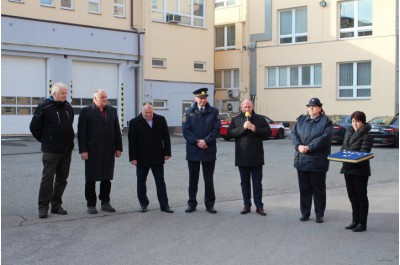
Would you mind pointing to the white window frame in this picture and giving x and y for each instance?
(232, 78)
(355, 87)
(98, 2)
(163, 60)
(293, 33)
(203, 68)
(163, 101)
(47, 5)
(225, 3)
(191, 19)
(226, 47)
(356, 29)
(68, 8)
(116, 5)
(288, 70)
(16, 1)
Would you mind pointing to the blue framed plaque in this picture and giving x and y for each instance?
(350, 156)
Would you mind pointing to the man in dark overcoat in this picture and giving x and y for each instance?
(100, 141)
(200, 126)
(149, 147)
(249, 130)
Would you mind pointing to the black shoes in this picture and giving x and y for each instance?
(91, 210)
(304, 218)
(319, 219)
(107, 207)
(166, 209)
(261, 211)
(360, 228)
(246, 209)
(211, 210)
(43, 213)
(143, 209)
(190, 209)
(59, 211)
(352, 225)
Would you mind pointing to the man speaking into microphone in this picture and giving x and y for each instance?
(250, 130)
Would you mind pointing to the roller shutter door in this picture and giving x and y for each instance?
(88, 77)
(23, 84)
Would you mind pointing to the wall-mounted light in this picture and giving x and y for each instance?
(323, 3)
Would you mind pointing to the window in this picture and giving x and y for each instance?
(67, 4)
(160, 104)
(355, 19)
(158, 63)
(294, 76)
(228, 79)
(17, 1)
(293, 26)
(186, 105)
(18, 105)
(94, 6)
(225, 37)
(199, 66)
(191, 12)
(119, 8)
(221, 3)
(47, 2)
(355, 80)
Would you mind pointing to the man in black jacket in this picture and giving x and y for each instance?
(52, 126)
(249, 130)
(149, 147)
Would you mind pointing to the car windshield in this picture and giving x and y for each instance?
(395, 121)
(385, 120)
(336, 118)
(224, 116)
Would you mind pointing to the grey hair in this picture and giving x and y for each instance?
(56, 88)
(241, 103)
(97, 92)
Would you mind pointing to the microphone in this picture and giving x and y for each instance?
(247, 114)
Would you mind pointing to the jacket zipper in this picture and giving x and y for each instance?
(58, 115)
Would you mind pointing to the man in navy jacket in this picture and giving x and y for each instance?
(200, 127)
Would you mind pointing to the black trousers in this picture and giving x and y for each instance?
(357, 192)
(158, 173)
(208, 174)
(54, 179)
(312, 184)
(254, 175)
(90, 192)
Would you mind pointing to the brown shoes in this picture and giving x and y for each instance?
(261, 211)
(246, 209)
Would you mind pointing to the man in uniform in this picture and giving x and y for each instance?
(200, 127)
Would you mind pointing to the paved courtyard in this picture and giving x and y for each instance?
(130, 237)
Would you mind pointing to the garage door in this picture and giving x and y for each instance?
(23, 84)
(88, 77)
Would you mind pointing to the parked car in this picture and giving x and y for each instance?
(395, 126)
(340, 125)
(225, 118)
(384, 130)
(277, 128)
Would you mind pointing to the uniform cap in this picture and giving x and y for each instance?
(201, 92)
(314, 102)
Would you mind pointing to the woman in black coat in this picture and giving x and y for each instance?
(357, 138)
